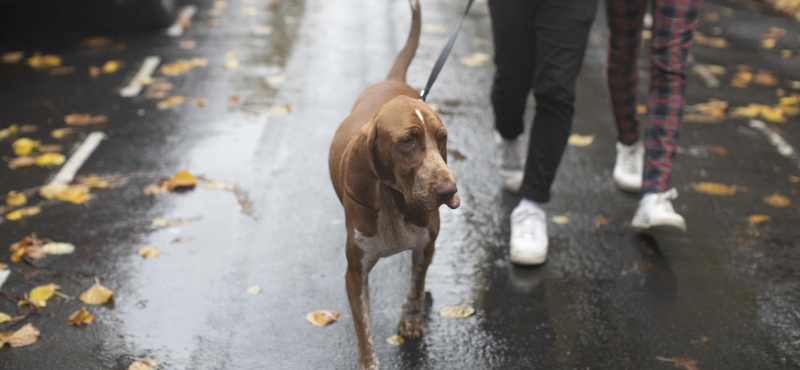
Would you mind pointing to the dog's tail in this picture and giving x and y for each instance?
(400, 66)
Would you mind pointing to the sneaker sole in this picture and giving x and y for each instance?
(528, 261)
(662, 228)
(627, 188)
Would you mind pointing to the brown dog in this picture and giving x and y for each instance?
(388, 167)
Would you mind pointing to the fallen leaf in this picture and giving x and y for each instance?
(4, 317)
(39, 61)
(561, 220)
(187, 44)
(213, 22)
(476, 59)
(50, 159)
(785, 53)
(716, 69)
(58, 248)
(253, 289)
(742, 79)
(23, 212)
(219, 185)
(52, 191)
(275, 80)
(231, 64)
(160, 188)
(601, 221)
(794, 179)
(273, 5)
(756, 218)
(719, 150)
(12, 57)
(97, 42)
(580, 140)
(149, 252)
(94, 71)
(144, 365)
(701, 342)
(182, 66)
(111, 66)
(24, 146)
(395, 340)
(777, 201)
(75, 194)
(199, 102)
(322, 317)
(80, 317)
(714, 42)
(26, 335)
(455, 312)
(51, 148)
(681, 362)
(244, 201)
(42, 293)
(713, 188)
(97, 294)
(61, 133)
(162, 222)
(98, 120)
(14, 199)
(182, 180)
(77, 119)
(768, 43)
(21, 162)
(279, 110)
(765, 78)
(170, 102)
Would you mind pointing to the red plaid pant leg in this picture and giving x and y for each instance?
(674, 22)
(625, 23)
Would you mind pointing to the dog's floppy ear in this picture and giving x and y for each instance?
(362, 183)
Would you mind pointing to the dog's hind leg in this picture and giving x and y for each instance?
(412, 318)
(357, 282)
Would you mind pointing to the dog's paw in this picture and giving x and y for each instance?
(410, 326)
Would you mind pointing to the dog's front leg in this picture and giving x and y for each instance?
(357, 282)
(412, 318)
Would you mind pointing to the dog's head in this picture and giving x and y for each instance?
(408, 145)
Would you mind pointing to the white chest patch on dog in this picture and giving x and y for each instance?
(419, 114)
(394, 234)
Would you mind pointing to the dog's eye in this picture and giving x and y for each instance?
(409, 141)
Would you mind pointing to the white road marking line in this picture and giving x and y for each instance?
(145, 72)
(777, 141)
(68, 171)
(184, 17)
(3, 276)
(709, 79)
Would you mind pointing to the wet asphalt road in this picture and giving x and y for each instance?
(606, 299)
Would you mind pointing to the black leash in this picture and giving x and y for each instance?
(443, 56)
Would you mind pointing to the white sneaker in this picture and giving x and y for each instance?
(528, 234)
(509, 162)
(656, 212)
(628, 167)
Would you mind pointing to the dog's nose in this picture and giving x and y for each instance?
(446, 190)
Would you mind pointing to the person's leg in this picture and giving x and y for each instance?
(562, 31)
(674, 22)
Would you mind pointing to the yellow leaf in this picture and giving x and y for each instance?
(76, 194)
(112, 66)
(80, 317)
(560, 220)
(52, 191)
(58, 248)
(24, 146)
(14, 199)
(42, 293)
(322, 318)
(182, 66)
(253, 289)
(456, 312)
(476, 59)
(4, 317)
(395, 340)
(61, 133)
(97, 294)
(169, 102)
(777, 201)
(580, 140)
(749, 111)
(24, 212)
(713, 188)
(50, 159)
(144, 365)
(149, 252)
(773, 114)
(26, 335)
(39, 61)
(768, 43)
(182, 179)
(17, 255)
(754, 219)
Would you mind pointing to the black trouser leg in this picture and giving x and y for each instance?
(513, 25)
(562, 29)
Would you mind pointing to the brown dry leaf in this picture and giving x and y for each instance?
(580, 140)
(24, 212)
(12, 57)
(170, 102)
(199, 102)
(187, 44)
(244, 200)
(80, 317)
(98, 120)
(144, 365)
(24, 336)
(777, 201)
(714, 188)
(97, 294)
(61, 133)
(21, 162)
(794, 179)
(476, 59)
(395, 340)
(14, 199)
(42, 293)
(50, 159)
(720, 150)
(742, 79)
(77, 119)
(75, 194)
(273, 5)
(94, 71)
(684, 363)
(51, 148)
(149, 252)
(24, 146)
(322, 317)
(182, 180)
(455, 312)
(765, 78)
(601, 221)
(233, 100)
